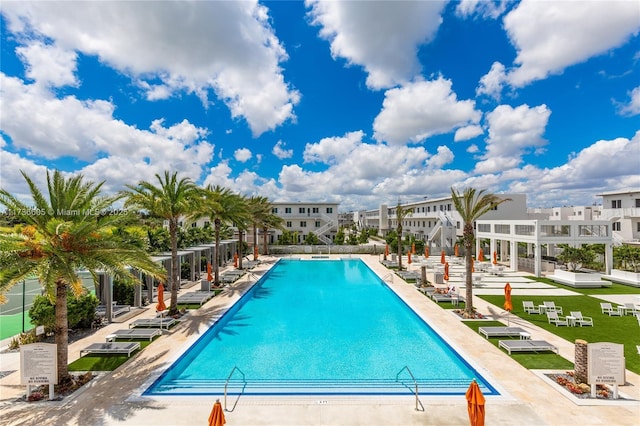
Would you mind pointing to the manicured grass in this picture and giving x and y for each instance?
(105, 362)
(12, 325)
(624, 330)
(531, 360)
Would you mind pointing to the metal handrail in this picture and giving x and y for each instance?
(415, 382)
(233, 370)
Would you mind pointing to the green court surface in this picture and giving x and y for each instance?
(10, 325)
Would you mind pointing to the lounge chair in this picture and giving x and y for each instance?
(551, 307)
(581, 320)
(553, 318)
(134, 333)
(638, 317)
(195, 298)
(153, 322)
(530, 308)
(111, 348)
(501, 331)
(439, 297)
(630, 308)
(527, 346)
(608, 309)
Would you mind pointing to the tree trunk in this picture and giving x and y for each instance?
(399, 248)
(61, 332)
(240, 239)
(216, 257)
(468, 304)
(265, 246)
(175, 269)
(255, 242)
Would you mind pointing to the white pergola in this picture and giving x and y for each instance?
(504, 236)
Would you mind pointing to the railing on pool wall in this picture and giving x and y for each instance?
(415, 383)
(244, 383)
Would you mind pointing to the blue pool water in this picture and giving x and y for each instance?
(325, 327)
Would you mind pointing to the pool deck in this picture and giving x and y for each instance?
(527, 399)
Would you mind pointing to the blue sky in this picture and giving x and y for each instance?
(360, 103)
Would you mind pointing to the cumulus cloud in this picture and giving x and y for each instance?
(633, 106)
(172, 47)
(418, 110)
(49, 64)
(468, 132)
(242, 155)
(512, 133)
(280, 151)
(332, 150)
(382, 37)
(551, 36)
(484, 8)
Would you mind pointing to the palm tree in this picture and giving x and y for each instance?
(171, 199)
(221, 206)
(272, 221)
(471, 205)
(259, 210)
(69, 231)
(401, 213)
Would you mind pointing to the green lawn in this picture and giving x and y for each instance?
(105, 362)
(11, 325)
(624, 330)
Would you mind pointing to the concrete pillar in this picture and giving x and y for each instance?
(537, 259)
(581, 361)
(608, 258)
(106, 283)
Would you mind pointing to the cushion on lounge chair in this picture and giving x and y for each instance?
(111, 348)
(526, 346)
(501, 331)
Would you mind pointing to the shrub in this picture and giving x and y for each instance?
(80, 312)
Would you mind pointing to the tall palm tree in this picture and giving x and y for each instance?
(471, 205)
(69, 231)
(242, 223)
(272, 221)
(171, 199)
(221, 206)
(259, 209)
(401, 213)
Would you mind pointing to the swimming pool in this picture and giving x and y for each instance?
(319, 327)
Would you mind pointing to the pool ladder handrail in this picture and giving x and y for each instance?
(415, 382)
(226, 383)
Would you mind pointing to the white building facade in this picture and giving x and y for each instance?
(622, 209)
(303, 218)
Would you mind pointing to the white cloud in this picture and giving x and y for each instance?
(185, 46)
(551, 36)
(467, 132)
(633, 107)
(416, 111)
(280, 151)
(443, 157)
(512, 133)
(383, 37)
(485, 8)
(242, 155)
(49, 64)
(492, 82)
(332, 150)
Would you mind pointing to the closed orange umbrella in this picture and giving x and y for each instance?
(442, 257)
(216, 418)
(386, 250)
(160, 306)
(235, 260)
(413, 248)
(456, 250)
(446, 271)
(426, 252)
(508, 306)
(473, 264)
(255, 252)
(209, 276)
(475, 404)
(481, 256)
(495, 258)
(409, 258)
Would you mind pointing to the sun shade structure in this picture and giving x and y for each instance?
(216, 418)
(161, 305)
(475, 404)
(508, 306)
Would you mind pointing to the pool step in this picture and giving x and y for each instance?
(314, 387)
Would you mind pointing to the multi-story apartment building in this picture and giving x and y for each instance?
(622, 208)
(303, 218)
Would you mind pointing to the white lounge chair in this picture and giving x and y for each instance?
(551, 307)
(502, 331)
(526, 346)
(608, 309)
(530, 308)
(630, 308)
(553, 318)
(581, 320)
(153, 322)
(638, 317)
(111, 348)
(135, 333)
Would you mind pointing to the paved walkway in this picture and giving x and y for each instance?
(114, 398)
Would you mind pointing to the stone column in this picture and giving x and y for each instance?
(581, 362)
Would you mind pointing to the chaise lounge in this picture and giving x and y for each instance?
(111, 348)
(134, 333)
(502, 331)
(153, 322)
(527, 346)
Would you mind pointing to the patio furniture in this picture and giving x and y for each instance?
(553, 318)
(551, 307)
(111, 348)
(526, 346)
(608, 309)
(529, 307)
(134, 333)
(581, 320)
(153, 322)
(501, 331)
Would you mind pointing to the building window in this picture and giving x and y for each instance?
(638, 227)
(301, 210)
(317, 224)
(329, 209)
(637, 202)
(316, 210)
(616, 226)
(287, 209)
(616, 204)
(289, 224)
(448, 207)
(274, 210)
(428, 209)
(303, 224)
